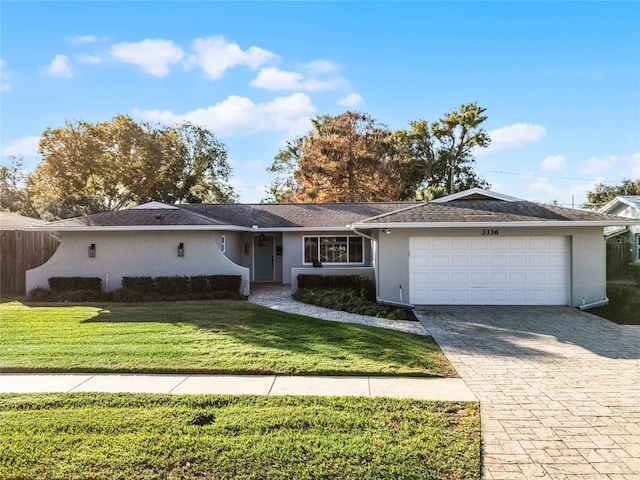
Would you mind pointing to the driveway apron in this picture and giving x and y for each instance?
(559, 389)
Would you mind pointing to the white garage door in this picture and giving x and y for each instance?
(489, 270)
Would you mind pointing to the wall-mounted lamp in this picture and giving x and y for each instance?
(181, 249)
(92, 250)
(386, 231)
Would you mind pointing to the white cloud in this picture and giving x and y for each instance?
(542, 184)
(215, 56)
(553, 162)
(350, 100)
(513, 136)
(5, 84)
(240, 116)
(153, 55)
(616, 166)
(80, 39)
(21, 147)
(92, 59)
(59, 67)
(319, 67)
(596, 165)
(635, 165)
(274, 79)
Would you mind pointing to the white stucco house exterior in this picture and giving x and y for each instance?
(476, 247)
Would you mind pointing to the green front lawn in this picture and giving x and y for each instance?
(116, 436)
(203, 337)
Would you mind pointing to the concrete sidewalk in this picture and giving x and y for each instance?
(445, 389)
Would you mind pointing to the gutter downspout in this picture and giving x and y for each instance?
(599, 303)
(377, 272)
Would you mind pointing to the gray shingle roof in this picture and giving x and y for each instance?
(464, 211)
(138, 217)
(292, 215)
(11, 221)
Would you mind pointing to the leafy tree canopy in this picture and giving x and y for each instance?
(352, 157)
(603, 194)
(96, 167)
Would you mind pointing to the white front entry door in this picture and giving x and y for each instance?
(489, 270)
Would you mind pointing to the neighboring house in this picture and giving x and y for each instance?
(623, 242)
(473, 247)
(20, 251)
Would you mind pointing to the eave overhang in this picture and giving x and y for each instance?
(484, 223)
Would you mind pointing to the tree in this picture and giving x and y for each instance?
(603, 194)
(96, 167)
(344, 158)
(16, 190)
(443, 151)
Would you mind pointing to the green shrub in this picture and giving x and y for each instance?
(634, 270)
(624, 304)
(165, 287)
(360, 283)
(351, 300)
(40, 294)
(69, 284)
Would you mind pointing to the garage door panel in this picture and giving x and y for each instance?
(507, 270)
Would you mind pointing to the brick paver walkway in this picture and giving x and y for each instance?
(559, 389)
(278, 297)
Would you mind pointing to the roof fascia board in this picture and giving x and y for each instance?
(134, 228)
(483, 224)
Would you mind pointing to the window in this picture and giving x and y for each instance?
(333, 249)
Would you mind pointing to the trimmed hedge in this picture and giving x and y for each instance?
(348, 293)
(72, 284)
(361, 283)
(142, 289)
(197, 285)
(634, 270)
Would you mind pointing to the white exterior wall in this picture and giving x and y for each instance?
(131, 254)
(292, 252)
(587, 262)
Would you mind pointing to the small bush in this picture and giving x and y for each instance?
(634, 270)
(40, 294)
(138, 284)
(351, 300)
(360, 283)
(70, 284)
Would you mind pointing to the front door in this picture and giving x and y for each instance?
(263, 258)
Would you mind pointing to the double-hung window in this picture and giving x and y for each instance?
(333, 250)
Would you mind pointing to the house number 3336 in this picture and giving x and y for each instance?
(490, 231)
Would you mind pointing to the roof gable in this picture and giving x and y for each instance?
(618, 203)
(476, 193)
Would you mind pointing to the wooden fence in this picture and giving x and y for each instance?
(20, 251)
(619, 256)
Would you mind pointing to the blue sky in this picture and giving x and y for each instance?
(560, 81)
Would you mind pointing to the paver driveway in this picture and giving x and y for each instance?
(559, 389)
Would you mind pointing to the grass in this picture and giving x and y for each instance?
(204, 337)
(114, 436)
(624, 304)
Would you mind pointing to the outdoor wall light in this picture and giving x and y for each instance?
(386, 231)
(92, 250)
(181, 249)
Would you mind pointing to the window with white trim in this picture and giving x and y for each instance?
(333, 250)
